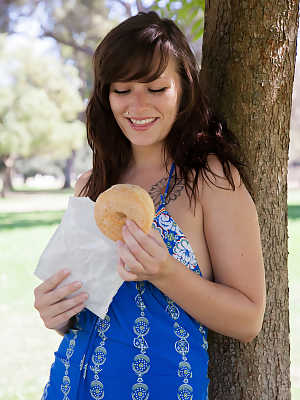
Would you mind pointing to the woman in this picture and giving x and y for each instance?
(148, 124)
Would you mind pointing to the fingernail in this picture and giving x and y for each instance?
(66, 271)
(78, 284)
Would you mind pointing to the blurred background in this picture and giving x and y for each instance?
(45, 80)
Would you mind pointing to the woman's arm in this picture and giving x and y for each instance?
(234, 304)
(81, 182)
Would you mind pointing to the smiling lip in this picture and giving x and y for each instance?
(141, 127)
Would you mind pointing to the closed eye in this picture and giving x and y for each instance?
(150, 90)
(121, 91)
(158, 90)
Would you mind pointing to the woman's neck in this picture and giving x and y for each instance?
(147, 158)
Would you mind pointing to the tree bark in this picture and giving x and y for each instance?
(248, 61)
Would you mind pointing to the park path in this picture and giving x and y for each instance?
(34, 201)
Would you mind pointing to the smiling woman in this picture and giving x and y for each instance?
(149, 124)
(149, 107)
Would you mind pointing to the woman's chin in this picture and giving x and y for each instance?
(142, 141)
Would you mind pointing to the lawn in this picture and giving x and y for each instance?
(294, 288)
(27, 346)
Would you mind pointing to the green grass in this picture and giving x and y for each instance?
(294, 289)
(27, 346)
(26, 235)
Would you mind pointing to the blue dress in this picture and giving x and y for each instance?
(146, 347)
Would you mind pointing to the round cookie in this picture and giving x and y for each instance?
(120, 202)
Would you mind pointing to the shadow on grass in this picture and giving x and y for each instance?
(15, 220)
(294, 211)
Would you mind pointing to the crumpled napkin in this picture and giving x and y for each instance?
(79, 245)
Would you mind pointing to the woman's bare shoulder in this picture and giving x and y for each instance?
(81, 182)
(214, 179)
(217, 175)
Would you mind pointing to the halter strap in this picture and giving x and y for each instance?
(163, 197)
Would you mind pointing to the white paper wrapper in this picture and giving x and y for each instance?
(79, 245)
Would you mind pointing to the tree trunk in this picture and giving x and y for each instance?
(4, 16)
(248, 61)
(8, 162)
(68, 169)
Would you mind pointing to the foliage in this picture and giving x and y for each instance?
(38, 165)
(45, 165)
(76, 27)
(188, 14)
(39, 102)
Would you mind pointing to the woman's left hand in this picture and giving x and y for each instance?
(141, 256)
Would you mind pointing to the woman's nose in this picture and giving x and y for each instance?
(140, 100)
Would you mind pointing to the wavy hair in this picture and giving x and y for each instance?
(129, 52)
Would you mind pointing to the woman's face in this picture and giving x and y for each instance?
(146, 112)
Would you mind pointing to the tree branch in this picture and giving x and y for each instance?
(71, 43)
(140, 6)
(32, 11)
(126, 6)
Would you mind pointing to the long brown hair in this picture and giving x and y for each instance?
(127, 54)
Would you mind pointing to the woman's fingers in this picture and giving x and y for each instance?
(51, 302)
(148, 253)
(65, 305)
(124, 273)
(52, 282)
(147, 243)
(156, 236)
(61, 320)
(128, 258)
(60, 293)
(45, 296)
(63, 310)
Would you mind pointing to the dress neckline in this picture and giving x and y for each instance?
(162, 209)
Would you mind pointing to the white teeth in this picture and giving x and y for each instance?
(142, 121)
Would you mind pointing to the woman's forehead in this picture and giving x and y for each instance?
(159, 69)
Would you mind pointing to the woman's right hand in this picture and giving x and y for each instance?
(50, 301)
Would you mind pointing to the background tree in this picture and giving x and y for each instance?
(77, 26)
(39, 104)
(249, 51)
(188, 14)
